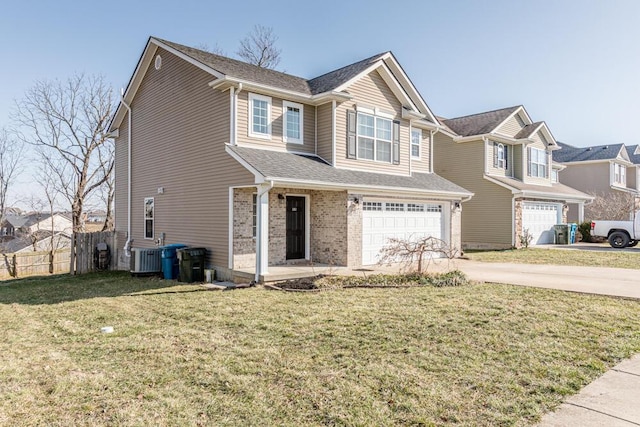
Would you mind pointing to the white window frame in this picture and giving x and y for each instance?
(253, 97)
(375, 137)
(145, 212)
(418, 144)
(555, 177)
(619, 174)
(532, 163)
(500, 156)
(285, 122)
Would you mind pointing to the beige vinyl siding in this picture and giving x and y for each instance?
(325, 131)
(517, 162)
(510, 128)
(180, 128)
(537, 180)
(277, 123)
(371, 91)
(486, 218)
(422, 164)
(590, 178)
(491, 169)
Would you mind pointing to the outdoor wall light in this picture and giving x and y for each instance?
(281, 196)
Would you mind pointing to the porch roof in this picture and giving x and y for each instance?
(555, 190)
(283, 167)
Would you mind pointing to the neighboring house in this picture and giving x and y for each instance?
(264, 168)
(504, 158)
(598, 170)
(26, 224)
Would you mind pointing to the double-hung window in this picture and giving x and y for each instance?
(293, 115)
(259, 116)
(416, 139)
(374, 137)
(538, 162)
(619, 174)
(148, 217)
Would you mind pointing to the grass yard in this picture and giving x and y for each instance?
(560, 257)
(470, 355)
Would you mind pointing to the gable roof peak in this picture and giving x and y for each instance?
(481, 123)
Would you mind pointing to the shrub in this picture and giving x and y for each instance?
(585, 229)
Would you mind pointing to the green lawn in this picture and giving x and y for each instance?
(585, 258)
(470, 355)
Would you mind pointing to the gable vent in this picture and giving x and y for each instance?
(605, 147)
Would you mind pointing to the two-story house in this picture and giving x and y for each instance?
(264, 168)
(504, 158)
(602, 171)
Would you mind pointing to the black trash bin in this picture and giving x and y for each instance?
(191, 262)
(562, 234)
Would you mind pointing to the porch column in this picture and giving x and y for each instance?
(262, 231)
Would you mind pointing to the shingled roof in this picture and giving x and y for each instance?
(246, 71)
(569, 153)
(556, 188)
(635, 158)
(527, 130)
(243, 70)
(481, 123)
(276, 165)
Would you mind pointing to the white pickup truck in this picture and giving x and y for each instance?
(620, 234)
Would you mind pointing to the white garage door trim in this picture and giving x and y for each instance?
(539, 218)
(400, 219)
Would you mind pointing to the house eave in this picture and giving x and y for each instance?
(540, 194)
(226, 82)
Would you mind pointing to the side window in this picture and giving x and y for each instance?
(259, 116)
(148, 217)
(293, 118)
(416, 139)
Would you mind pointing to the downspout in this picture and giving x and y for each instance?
(333, 133)
(431, 145)
(127, 245)
(262, 189)
(234, 117)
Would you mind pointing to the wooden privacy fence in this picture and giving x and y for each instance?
(25, 264)
(85, 258)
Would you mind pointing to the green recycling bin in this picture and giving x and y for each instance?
(191, 262)
(562, 234)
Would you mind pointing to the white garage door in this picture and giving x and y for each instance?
(539, 219)
(382, 220)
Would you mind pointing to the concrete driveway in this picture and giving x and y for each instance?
(618, 282)
(598, 247)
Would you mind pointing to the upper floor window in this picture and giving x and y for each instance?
(538, 162)
(293, 122)
(619, 174)
(374, 138)
(416, 139)
(554, 175)
(500, 156)
(259, 116)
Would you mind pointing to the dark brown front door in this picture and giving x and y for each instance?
(295, 227)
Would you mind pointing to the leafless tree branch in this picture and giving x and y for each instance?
(259, 48)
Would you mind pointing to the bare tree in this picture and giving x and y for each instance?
(414, 252)
(216, 49)
(617, 205)
(67, 123)
(11, 164)
(259, 48)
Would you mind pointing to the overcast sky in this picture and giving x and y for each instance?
(572, 63)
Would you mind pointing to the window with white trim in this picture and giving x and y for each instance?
(293, 115)
(259, 116)
(538, 162)
(416, 139)
(554, 175)
(374, 138)
(148, 217)
(395, 207)
(415, 207)
(501, 156)
(619, 174)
